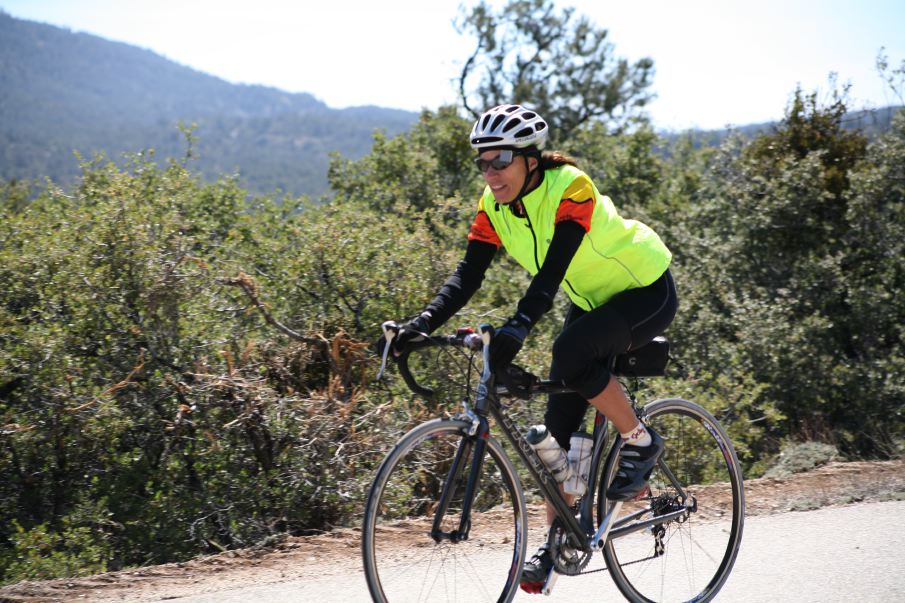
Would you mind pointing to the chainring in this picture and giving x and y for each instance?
(568, 558)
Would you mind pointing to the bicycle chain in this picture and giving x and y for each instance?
(659, 549)
(659, 533)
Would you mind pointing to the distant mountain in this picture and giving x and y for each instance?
(62, 91)
(871, 122)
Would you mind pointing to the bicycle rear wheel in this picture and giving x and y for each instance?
(403, 562)
(689, 557)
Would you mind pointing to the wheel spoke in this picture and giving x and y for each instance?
(698, 470)
(402, 561)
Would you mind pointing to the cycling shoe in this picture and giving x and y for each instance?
(635, 466)
(536, 570)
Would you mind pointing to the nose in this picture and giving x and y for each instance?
(491, 175)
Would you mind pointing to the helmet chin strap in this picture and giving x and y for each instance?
(512, 204)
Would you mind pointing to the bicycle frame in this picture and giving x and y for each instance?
(581, 529)
(544, 479)
(488, 403)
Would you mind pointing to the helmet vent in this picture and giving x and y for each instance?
(524, 132)
(485, 139)
(497, 121)
(512, 123)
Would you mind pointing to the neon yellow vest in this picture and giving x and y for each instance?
(615, 255)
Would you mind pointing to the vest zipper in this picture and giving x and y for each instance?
(533, 238)
(537, 263)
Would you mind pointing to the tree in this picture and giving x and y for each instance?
(413, 171)
(561, 65)
(795, 248)
(893, 76)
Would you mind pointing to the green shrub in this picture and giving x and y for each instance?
(797, 458)
(80, 545)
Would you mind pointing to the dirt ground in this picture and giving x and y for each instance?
(338, 552)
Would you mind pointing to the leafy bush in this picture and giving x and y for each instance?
(81, 544)
(132, 373)
(797, 458)
(788, 262)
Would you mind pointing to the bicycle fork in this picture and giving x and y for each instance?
(477, 447)
(480, 430)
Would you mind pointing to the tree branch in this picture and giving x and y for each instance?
(247, 284)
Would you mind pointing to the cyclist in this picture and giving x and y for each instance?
(550, 217)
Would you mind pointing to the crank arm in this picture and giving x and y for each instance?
(599, 539)
(550, 582)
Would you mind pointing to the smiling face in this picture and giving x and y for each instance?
(506, 183)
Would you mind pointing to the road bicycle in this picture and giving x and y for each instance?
(446, 517)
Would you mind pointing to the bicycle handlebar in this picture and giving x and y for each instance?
(466, 338)
(512, 381)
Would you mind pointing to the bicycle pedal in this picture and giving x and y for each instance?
(540, 588)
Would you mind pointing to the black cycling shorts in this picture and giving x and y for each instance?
(583, 351)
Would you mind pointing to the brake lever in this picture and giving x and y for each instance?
(486, 335)
(390, 328)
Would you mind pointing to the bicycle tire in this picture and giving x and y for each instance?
(696, 555)
(402, 561)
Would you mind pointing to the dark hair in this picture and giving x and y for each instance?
(554, 159)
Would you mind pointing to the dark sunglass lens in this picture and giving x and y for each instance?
(500, 162)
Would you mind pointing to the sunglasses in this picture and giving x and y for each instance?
(498, 163)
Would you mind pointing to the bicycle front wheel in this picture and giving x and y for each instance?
(403, 561)
(698, 492)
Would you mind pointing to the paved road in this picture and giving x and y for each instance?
(852, 553)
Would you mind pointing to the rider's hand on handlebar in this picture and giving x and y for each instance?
(508, 340)
(411, 331)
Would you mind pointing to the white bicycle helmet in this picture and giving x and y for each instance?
(509, 126)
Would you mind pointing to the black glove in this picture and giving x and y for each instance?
(508, 340)
(411, 331)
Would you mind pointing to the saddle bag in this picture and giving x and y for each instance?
(649, 360)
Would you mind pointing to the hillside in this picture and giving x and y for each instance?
(871, 122)
(62, 91)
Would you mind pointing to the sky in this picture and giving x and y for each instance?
(718, 63)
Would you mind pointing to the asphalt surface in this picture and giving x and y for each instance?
(851, 553)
